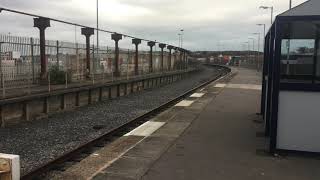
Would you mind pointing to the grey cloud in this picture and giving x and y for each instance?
(206, 22)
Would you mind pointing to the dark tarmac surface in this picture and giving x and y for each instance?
(214, 138)
(222, 144)
(41, 141)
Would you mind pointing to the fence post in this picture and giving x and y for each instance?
(93, 69)
(29, 82)
(3, 86)
(32, 59)
(66, 79)
(58, 64)
(77, 61)
(92, 77)
(49, 82)
(103, 73)
(112, 72)
(128, 64)
(1, 70)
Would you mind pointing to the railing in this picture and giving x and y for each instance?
(29, 64)
(20, 65)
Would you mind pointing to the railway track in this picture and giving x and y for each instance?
(85, 149)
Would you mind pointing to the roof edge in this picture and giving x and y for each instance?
(294, 8)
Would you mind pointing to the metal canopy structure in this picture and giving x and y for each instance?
(291, 80)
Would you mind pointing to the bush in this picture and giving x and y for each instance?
(57, 76)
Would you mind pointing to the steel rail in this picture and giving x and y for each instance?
(69, 155)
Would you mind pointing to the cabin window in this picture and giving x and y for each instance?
(300, 60)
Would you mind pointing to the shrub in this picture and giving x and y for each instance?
(57, 76)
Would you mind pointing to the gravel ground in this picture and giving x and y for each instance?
(41, 141)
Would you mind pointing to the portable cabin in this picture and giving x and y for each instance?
(291, 80)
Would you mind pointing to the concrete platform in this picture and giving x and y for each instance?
(214, 137)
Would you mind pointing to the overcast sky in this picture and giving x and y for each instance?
(208, 24)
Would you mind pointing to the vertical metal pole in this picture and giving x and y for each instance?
(182, 39)
(29, 82)
(77, 61)
(32, 59)
(66, 79)
(271, 15)
(2, 78)
(97, 29)
(258, 52)
(290, 4)
(128, 64)
(58, 64)
(161, 63)
(103, 67)
(92, 72)
(49, 82)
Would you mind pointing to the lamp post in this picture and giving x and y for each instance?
(264, 33)
(264, 29)
(248, 43)
(252, 45)
(98, 56)
(258, 52)
(290, 4)
(181, 37)
(271, 8)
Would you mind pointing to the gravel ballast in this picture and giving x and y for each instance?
(43, 140)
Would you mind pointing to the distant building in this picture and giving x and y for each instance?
(10, 56)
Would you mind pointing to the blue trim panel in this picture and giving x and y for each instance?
(275, 88)
(300, 87)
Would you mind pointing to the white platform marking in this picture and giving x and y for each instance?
(146, 129)
(197, 95)
(245, 86)
(220, 85)
(184, 103)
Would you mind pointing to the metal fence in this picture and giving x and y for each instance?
(20, 64)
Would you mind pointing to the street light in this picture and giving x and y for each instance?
(252, 46)
(290, 4)
(264, 29)
(264, 32)
(257, 59)
(98, 56)
(181, 30)
(179, 39)
(271, 8)
(258, 40)
(248, 50)
(252, 42)
(264, 35)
